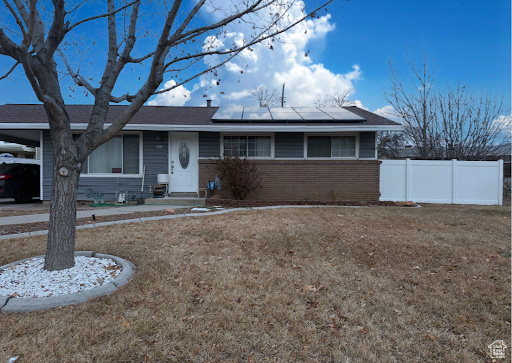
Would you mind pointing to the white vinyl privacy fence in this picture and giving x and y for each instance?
(442, 181)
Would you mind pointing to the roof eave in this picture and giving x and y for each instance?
(219, 128)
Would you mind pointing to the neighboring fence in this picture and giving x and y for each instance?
(442, 181)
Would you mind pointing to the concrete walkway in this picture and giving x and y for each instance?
(102, 211)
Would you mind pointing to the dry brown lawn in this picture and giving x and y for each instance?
(381, 284)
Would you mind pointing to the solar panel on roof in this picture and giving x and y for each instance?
(344, 116)
(228, 113)
(261, 113)
(255, 109)
(284, 114)
(282, 109)
(318, 115)
(333, 109)
(306, 109)
(292, 116)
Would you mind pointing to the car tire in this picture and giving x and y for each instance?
(24, 196)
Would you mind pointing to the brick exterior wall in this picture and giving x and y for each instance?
(327, 180)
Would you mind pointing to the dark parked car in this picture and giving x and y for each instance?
(19, 181)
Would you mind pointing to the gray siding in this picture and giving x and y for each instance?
(47, 159)
(289, 145)
(209, 144)
(367, 145)
(154, 157)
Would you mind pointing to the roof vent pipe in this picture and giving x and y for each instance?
(208, 103)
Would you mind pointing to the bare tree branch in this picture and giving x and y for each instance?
(264, 97)
(57, 32)
(71, 27)
(140, 59)
(177, 35)
(189, 17)
(34, 35)
(76, 7)
(450, 123)
(339, 99)
(10, 71)
(8, 47)
(17, 19)
(155, 78)
(112, 41)
(79, 80)
(257, 39)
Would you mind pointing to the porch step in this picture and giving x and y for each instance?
(183, 195)
(188, 201)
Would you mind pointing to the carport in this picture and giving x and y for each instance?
(32, 138)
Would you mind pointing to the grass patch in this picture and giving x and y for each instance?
(315, 285)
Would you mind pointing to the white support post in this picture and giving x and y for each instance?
(408, 179)
(500, 182)
(454, 180)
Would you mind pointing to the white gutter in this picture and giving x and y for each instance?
(219, 128)
(22, 126)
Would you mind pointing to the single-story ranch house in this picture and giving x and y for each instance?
(302, 153)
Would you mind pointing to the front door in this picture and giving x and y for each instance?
(184, 164)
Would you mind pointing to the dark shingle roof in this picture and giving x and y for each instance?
(371, 118)
(158, 115)
(152, 115)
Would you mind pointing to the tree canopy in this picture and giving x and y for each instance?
(451, 122)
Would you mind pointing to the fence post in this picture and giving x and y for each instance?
(408, 179)
(500, 182)
(454, 181)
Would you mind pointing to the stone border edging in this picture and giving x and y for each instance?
(22, 305)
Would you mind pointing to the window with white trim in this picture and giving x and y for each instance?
(120, 155)
(248, 146)
(332, 146)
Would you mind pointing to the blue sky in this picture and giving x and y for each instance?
(469, 41)
(349, 49)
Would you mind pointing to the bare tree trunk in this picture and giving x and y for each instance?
(67, 166)
(61, 234)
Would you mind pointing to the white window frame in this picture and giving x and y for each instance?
(306, 141)
(272, 144)
(121, 175)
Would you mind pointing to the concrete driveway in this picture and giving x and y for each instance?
(10, 204)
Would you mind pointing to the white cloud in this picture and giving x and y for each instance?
(238, 95)
(212, 43)
(272, 63)
(175, 97)
(504, 121)
(305, 83)
(389, 112)
(233, 67)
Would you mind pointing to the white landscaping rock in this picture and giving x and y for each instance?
(29, 279)
(200, 209)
